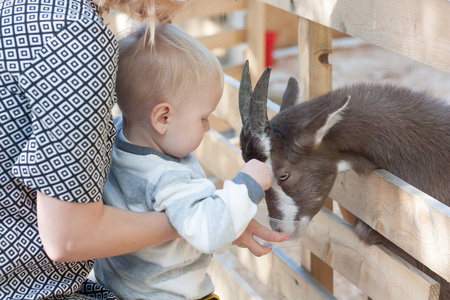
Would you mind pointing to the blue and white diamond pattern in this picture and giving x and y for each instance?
(57, 73)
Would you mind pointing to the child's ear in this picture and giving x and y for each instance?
(160, 117)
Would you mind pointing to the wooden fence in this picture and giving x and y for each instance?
(251, 33)
(424, 224)
(413, 220)
(416, 222)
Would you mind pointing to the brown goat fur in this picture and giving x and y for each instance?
(363, 127)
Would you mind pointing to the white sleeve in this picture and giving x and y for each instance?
(209, 219)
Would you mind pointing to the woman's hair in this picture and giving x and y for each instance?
(162, 71)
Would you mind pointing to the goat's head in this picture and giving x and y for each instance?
(302, 163)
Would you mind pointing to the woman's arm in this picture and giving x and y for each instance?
(80, 231)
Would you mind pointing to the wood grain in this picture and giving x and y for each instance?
(375, 270)
(416, 29)
(413, 220)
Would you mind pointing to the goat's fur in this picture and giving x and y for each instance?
(363, 126)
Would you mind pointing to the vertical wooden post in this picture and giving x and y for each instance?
(314, 43)
(256, 37)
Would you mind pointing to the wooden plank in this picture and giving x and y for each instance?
(253, 34)
(315, 74)
(320, 269)
(416, 29)
(235, 71)
(224, 39)
(278, 20)
(315, 79)
(228, 283)
(285, 278)
(416, 222)
(228, 107)
(218, 124)
(220, 157)
(208, 8)
(375, 270)
(256, 39)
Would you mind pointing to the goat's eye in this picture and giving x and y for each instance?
(284, 176)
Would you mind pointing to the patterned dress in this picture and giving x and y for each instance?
(58, 65)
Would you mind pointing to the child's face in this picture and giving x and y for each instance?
(190, 120)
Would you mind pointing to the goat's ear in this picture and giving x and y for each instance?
(291, 95)
(324, 122)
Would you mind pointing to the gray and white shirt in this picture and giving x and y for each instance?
(208, 220)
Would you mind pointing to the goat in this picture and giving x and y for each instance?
(361, 127)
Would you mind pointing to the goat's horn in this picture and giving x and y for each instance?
(259, 122)
(245, 94)
(291, 94)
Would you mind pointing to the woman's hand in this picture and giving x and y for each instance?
(246, 239)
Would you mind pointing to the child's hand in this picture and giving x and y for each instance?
(246, 240)
(258, 171)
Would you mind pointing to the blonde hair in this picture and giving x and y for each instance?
(162, 71)
(147, 11)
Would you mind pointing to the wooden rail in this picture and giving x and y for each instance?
(417, 29)
(252, 35)
(415, 221)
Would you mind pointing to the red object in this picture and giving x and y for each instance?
(271, 37)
